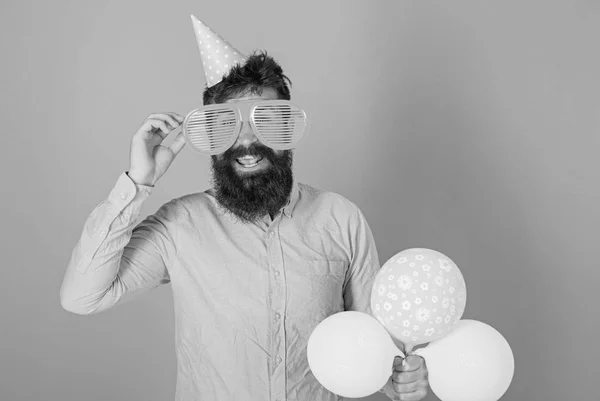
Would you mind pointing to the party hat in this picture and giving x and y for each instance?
(218, 56)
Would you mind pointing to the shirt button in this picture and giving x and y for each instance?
(271, 234)
(278, 360)
(277, 316)
(276, 272)
(123, 195)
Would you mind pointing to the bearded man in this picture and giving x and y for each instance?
(255, 263)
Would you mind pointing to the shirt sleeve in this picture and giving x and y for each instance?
(115, 260)
(364, 265)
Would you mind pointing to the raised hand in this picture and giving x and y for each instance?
(149, 160)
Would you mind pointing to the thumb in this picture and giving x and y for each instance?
(178, 143)
(398, 363)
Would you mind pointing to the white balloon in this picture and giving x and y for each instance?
(351, 354)
(474, 362)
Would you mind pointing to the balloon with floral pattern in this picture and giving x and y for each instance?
(419, 295)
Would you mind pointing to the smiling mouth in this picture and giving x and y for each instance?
(249, 161)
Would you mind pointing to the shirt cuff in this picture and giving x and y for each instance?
(127, 196)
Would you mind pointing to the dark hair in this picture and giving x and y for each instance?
(260, 71)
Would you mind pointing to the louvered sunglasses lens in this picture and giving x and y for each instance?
(279, 125)
(211, 131)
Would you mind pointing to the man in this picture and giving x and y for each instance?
(255, 263)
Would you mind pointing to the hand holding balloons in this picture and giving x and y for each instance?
(418, 297)
(409, 379)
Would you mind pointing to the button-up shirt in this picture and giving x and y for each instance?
(247, 296)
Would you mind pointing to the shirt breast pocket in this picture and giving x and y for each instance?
(326, 285)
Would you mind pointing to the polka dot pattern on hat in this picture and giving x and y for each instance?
(218, 56)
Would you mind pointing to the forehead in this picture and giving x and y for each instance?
(267, 94)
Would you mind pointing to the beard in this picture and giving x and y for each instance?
(252, 195)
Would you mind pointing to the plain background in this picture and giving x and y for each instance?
(470, 127)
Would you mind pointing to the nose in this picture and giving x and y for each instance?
(246, 137)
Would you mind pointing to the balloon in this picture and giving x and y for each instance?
(418, 296)
(351, 354)
(474, 362)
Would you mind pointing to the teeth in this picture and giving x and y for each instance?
(247, 158)
(248, 161)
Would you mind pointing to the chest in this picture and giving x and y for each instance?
(255, 272)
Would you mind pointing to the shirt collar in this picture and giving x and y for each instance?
(294, 195)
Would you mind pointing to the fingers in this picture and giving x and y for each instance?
(409, 378)
(411, 391)
(173, 119)
(413, 369)
(177, 117)
(397, 366)
(413, 396)
(409, 364)
(156, 126)
(178, 143)
(412, 363)
(159, 123)
(409, 386)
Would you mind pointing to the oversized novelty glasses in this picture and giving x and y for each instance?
(212, 129)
